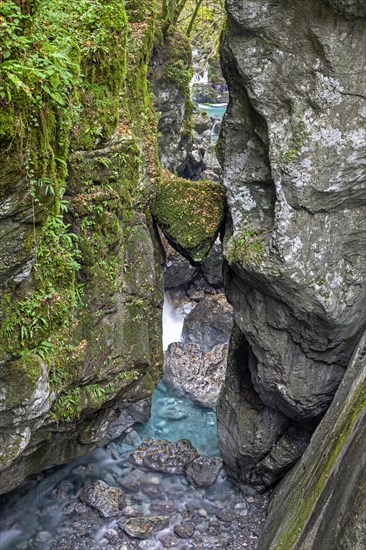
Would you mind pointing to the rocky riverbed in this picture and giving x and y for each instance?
(160, 486)
(114, 500)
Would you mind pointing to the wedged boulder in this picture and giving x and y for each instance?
(203, 470)
(190, 214)
(195, 373)
(209, 323)
(161, 455)
(144, 527)
(104, 498)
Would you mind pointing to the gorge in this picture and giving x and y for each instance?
(104, 167)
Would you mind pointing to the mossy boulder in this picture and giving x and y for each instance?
(190, 213)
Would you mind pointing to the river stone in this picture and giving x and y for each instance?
(203, 470)
(209, 323)
(144, 527)
(195, 373)
(293, 149)
(184, 530)
(104, 498)
(161, 455)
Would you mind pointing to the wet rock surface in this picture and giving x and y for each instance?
(195, 373)
(203, 470)
(107, 500)
(209, 323)
(164, 456)
(144, 527)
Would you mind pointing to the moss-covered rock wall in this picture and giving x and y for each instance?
(80, 274)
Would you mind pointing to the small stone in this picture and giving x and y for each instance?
(155, 481)
(143, 527)
(104, 498)
(226, 515)
(130, 486)
(203, 470)
(81, 508)
(202, 513)
(184, 530)
(43, 536)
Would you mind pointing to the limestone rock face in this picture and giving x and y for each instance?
(170, 68)
(195, 373)
(330, 480)
(293, 151)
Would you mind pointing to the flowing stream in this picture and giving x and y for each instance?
(39, 513)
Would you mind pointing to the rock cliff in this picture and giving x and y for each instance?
(321, 504)
(80, 273)
(293, 151)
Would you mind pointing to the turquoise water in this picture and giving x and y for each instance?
(36, 507)
(174, 417)
(214, 110)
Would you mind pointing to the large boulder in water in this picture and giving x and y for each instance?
(195, 373)
(209, 323)
(161, 455)
(104, 498)
(144, 527)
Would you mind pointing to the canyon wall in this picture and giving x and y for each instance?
(293, 151)
(80, 270)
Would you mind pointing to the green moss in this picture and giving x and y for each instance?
(99, 97)
(190, 213)
(296, 142)
(246, 246)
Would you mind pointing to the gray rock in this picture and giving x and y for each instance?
(144, 527)
(178, 271)
(160, 455)
(137, 412)
(212, 266)
(195, 373)
(104, 498)
(184, 530)
(203, 470)
(251, 435)
(330, 480)
(209, 323)
(227, 516)
(293, 149)
(201, 122)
